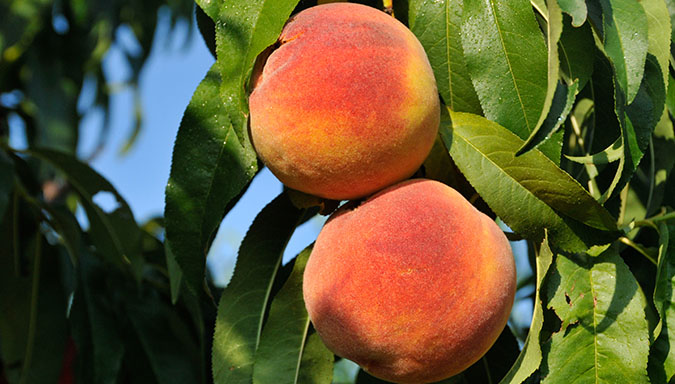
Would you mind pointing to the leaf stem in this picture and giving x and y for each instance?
(32, 322)
(638, 248)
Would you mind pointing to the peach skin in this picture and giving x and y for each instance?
(414, 284)
(346, 104)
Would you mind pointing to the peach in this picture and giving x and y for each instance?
(346, 104)
(414, 284)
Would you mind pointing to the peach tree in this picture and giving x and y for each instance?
(556, 118)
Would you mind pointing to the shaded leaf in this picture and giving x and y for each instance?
(662, 354)
(530, 357)
(625, 39)
(576, 52)
(525, 191)
(506, 58)
(209, 168)
(604, 336)
(6, 181)
(281, 347)
(115, 234)
(242, 304)
(437, 25)
(316, 366)
(95, 326)
(175, 273)
(243, 30)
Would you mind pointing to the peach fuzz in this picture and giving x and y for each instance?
(346, 104)
(414, 284)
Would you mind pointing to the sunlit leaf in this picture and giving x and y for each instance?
(658, 23)
(506, 58)
(575, 8)
(530, 356)
(604, 337)
(437, 25)
(242, 304)
(527, 191)
(210, 168)
(662, 356)
(243, 30)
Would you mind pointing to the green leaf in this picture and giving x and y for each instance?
(175, 273)
(242, 304)
(525, 191)
(33, 323)
(658, 24)
(554, 29)
(664, 147)
(316, 366)
(563, 101)
(575, 8)
(530, 357)
(506, 58)
(115, 234)
(243, 30)
(279, 354)
(6, 181)
(609, 155)
(604, 337)
(171, 359)
(209, 168)
(662, 355)
(94, 324)
(576, 51)
(437, 26)
(625, 40)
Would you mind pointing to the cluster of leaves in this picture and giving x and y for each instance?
(83, 297)
(558, 119)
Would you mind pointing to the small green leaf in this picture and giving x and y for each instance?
(604, 337)
(506, 58)
(575, 8)
(525, 191)
(530, 356)
(115, 234)
(209, 168)
(243, 30)
(606, 156)
(242, 304)
(279, 354)
(662, 354)
(437, 26)
(625, 40)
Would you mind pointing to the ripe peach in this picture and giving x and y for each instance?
(414, 284)
(346, 104)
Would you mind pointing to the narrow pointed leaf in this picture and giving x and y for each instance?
(604, 336)
(116, 234)
(525, 191)
(608, 155)
(506, 58)
(242, 304)
(554, 29)
(625, 40)
(281, 348)
(530, 356)
(662, 355)
(437, 25)
(244, 29)
(209, 168)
